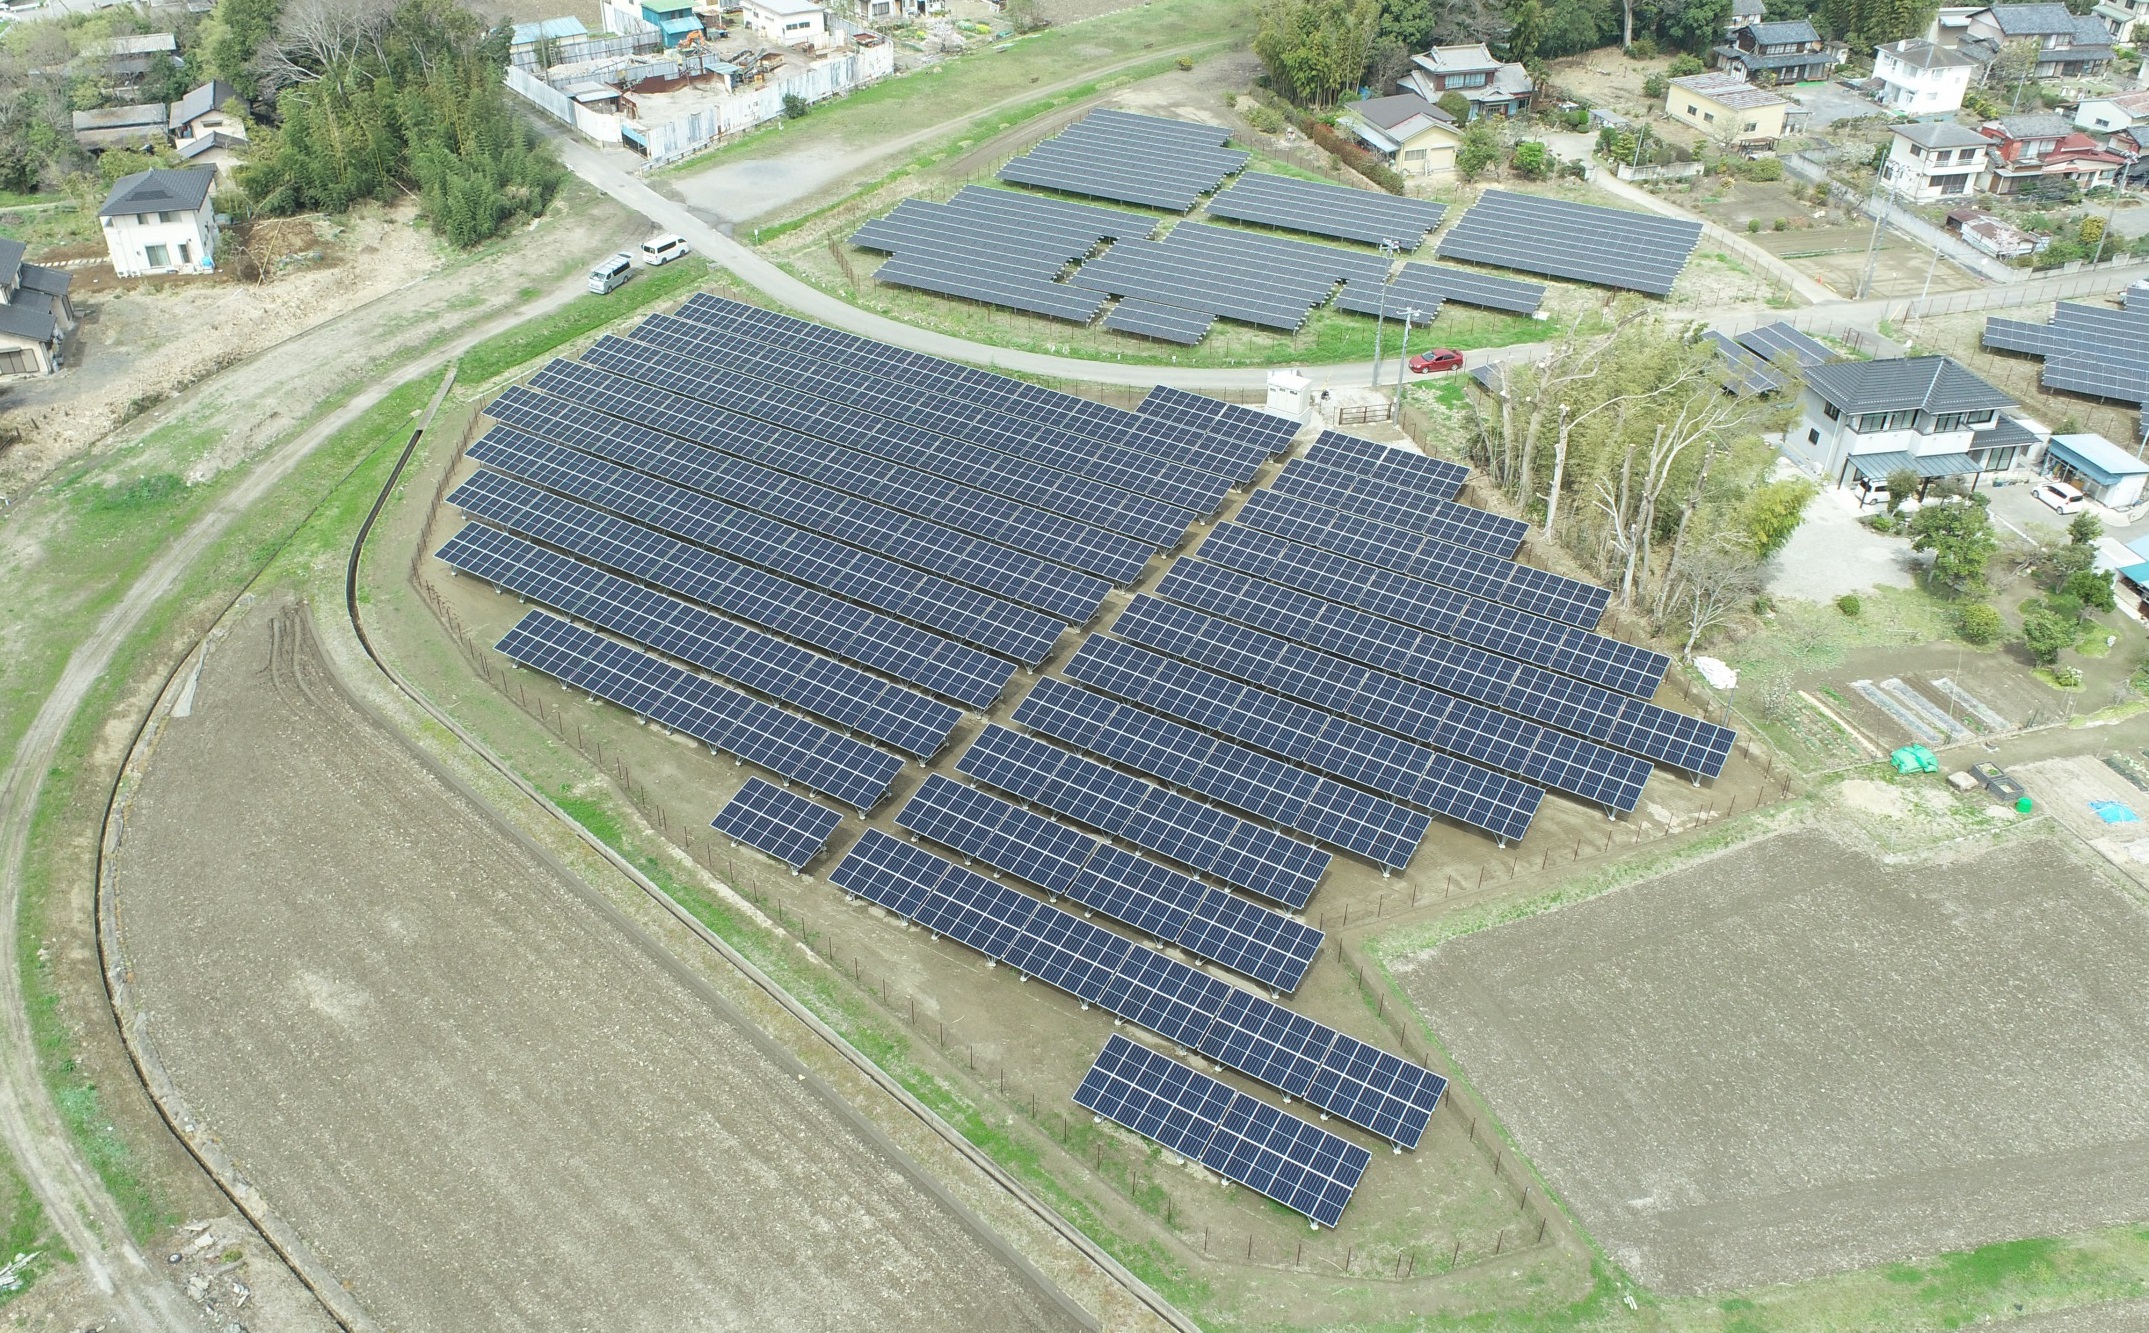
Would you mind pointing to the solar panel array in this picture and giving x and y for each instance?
(1620, 721)
(1368, 458)
(1425, 286)
(827, 688)
(1157, 900)
(1401, 504)
(2093, 350)
(1321, 209)
(1228, 274)
(1610, 247)
(1383, 832)
(723, 719)
(1237, 851)
(1299, 1165)
(1252, 426)
(1773, 341)
(1334, 1072)
(769, 819)
(1134, 159)
(997, 246)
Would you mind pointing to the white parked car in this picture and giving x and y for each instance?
(663, 249)
(2060, 497)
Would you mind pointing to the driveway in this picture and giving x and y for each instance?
(1828, 103)
(1832, 553)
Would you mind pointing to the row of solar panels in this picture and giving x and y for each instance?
(2094, 350)
(1339, 1074)
(1134, 159)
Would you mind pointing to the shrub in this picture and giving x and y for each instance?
(1781, 224)
(1979, 623)
(1644, 48)
(1762, 169)
(795, 106)
(1456, 105)
(2091, 588)
(1265, 118)
(1655, 86)
(1753, 225)
(1532, 162)
(1849, 605)
(1184, 62)
(2067, 677)
(2046, 634)
(1684, 64)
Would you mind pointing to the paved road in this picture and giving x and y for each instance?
(81, 1209)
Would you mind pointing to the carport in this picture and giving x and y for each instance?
(2105, 472)
(1873, 469)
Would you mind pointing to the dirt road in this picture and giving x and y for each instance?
(496, 1104)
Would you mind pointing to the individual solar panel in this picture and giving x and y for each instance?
(1167, 323)
(1300, 1165)
(811, 473)
(1583, 654)
(1622, 722)
(1390, 463)
(1263, 430)
(1133, 159)
(1610, 247)
(1401, 506)
(1234, 850)
(1167, 997)
(996, 246)
(1744, 372)
(712, 413)
(1065, 951)
(951, 670)
(1530, 750)
(817, 344)
(822, 562)
(1172, 907)
(1322, 740)
(819, 685)
(806, 752)
(884, 870)
(1381, 831)
(1367, 1086)
(1266, 1041)
(1480, 573)
(1427, 287)
(1189, 482)
(1015, 575)
(769, 819)
(1231, 274)
(1321, 209)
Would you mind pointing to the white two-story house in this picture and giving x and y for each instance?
(1921, 78)
(1859, 421)
(1933, 162)
(35, 314)
(161, 221)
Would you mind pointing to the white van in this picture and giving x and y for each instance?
(663, 249)
(610, 273)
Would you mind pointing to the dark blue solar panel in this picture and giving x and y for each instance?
(1367, 1086)
(724, 719)
(883, 870)
(949, 669)
(1145, 895)
(1028, 846)
(769, 819)
(1157, 1098)
(1267, 432)
(1266, 1041)
(1167, 997)
(1065, 951)
(1387, 462)
(1401, 507)
(1299, 1165)
(820, 685)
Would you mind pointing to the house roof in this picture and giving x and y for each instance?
(10, 260)
(50, 281)
(144, 44)
(2135, 103)
(1449, 59)
(528, 34)
(201, 101)
(1390, 113)
(1783, 60)
(135, 115)
(1896, 384)
(203, 143)
(2006, 432)
(785, 6)
(2040, 125)
(1775, 34)
(2099, 457)
(160, 189)
(2089, 30)
(1940, 134)
(28, 321)
(2042, 20)
(1918, 53)
(1727, 89)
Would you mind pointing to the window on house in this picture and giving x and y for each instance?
(186, 253)
(1692, 110)
(1752, 125)
(1814, 436)
(156, 256)
(16, 361)
(1465, 81)
(1952, 184)
(1831, 411)
(1709, 116)
(1414, 155)
(1872, 421)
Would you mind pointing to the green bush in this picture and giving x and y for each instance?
(1763, 169)
(1753, 226)
(1266, 119)
(1655, 86)
(1456, 105)
(1980, 624)
(2091, 588)
(1531, 161)
(795, 106)
(1849, 605)
(1184, 62)
(1644, 48)
(1781, 224)
(1684, 64)
(2047, 633)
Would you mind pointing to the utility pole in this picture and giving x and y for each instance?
(1872, 248)
(1380, 319)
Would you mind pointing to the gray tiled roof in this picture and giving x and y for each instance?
(1941, 134)
(2042, 125)
(1389, 112)
(2041, 20)
(50, 281)
(1774, 34)
(28, 321)
(159, 190)
(1896, 384)
(10, 260)
(201, 101)
(1918, 53)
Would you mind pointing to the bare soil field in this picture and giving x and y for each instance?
(1793, 1058)
(482, 1100)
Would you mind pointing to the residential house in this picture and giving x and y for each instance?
(2068, 45)
(2124, 19)
(1859, 421)
(1790, 52)
(673, 20)
(126, 62)
(35, 314)
(203, 132)
(161, 221)
(1726, 107)
(1921, 78)
(1744, 12)
(1412, 135)
(1492, 87)
(2001, 240)
(787, 22)
(1931, 162)
(897, 11)
(141, 125)
(2042, 155)
(2114, 112)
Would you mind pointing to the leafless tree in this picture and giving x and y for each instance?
(315, 36)
(1714, 581)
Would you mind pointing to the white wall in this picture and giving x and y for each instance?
(1921, 92)
(130, 241)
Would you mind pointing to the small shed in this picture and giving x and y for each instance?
(2105, 472)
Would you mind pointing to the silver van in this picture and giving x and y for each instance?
(610, 273)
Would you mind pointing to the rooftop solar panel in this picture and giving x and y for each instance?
(1322, 209)
(1610, 247)
(724, 719)
(769, 819)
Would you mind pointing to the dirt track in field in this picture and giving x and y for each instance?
(481, 1099)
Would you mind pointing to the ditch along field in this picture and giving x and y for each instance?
(1447, 1230)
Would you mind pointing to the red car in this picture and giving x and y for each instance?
(1440, 358)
